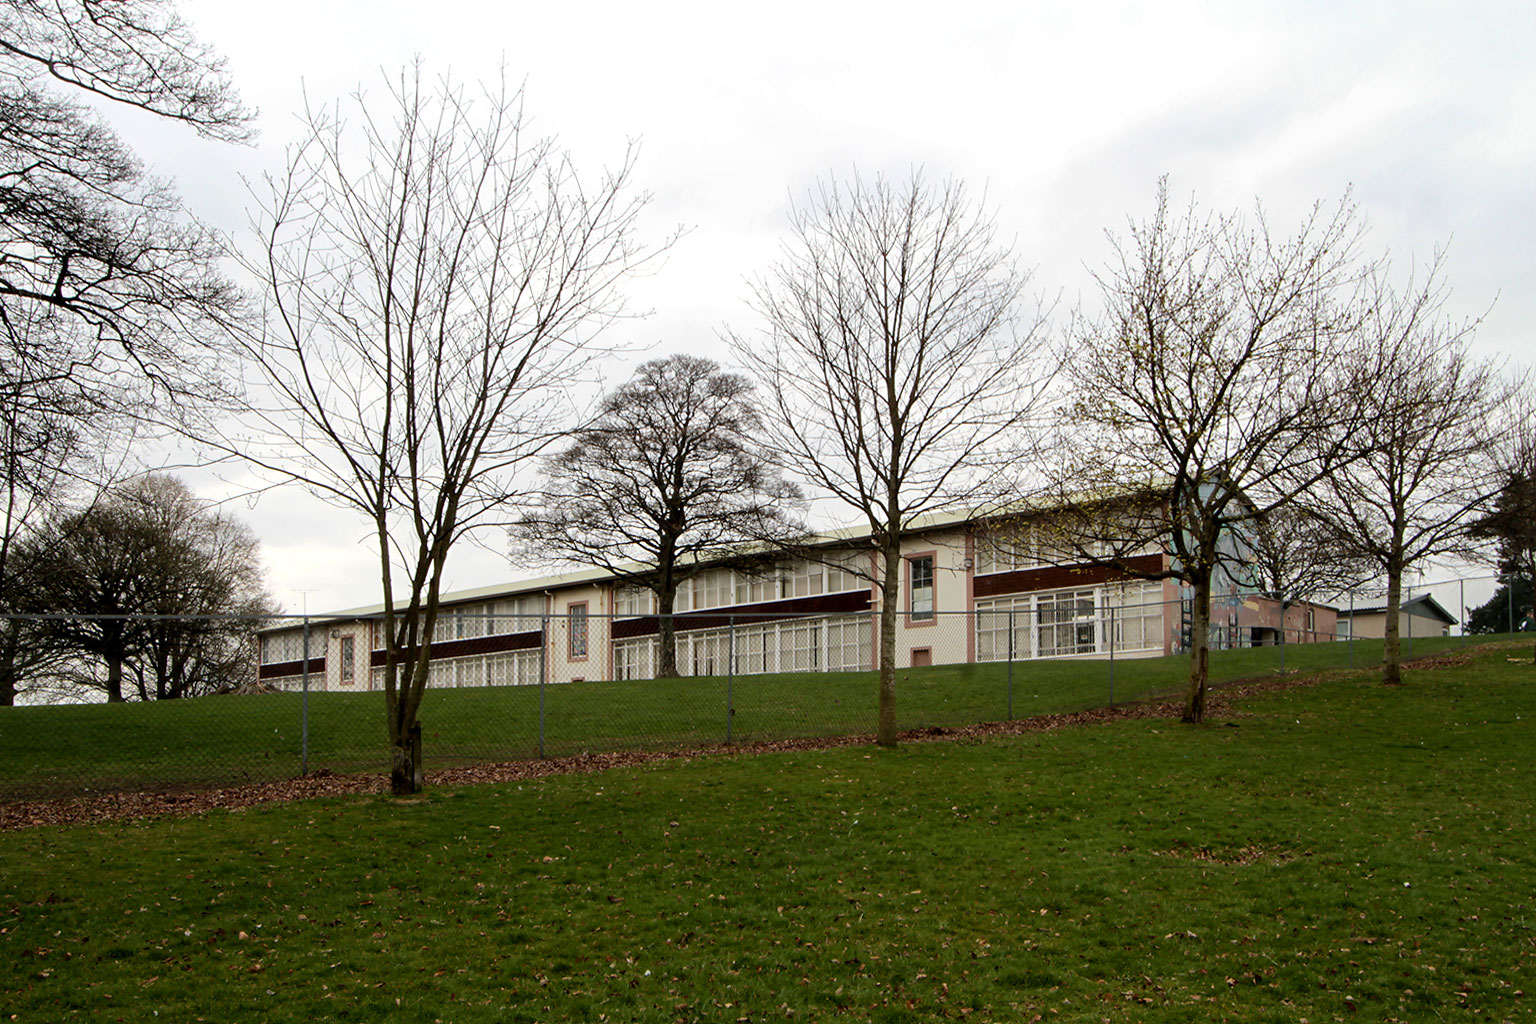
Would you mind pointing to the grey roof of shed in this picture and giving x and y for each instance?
(1421, 604)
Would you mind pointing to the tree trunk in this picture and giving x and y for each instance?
(890, 592)
(9, 677)
(114, 680)
(405, 774)
(1200, 651)
(666, 634)
(1391, 648)
(405, 770)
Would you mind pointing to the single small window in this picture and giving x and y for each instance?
(348, 658)
(920, 593)
(578, 627)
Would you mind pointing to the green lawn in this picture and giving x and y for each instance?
(1338, 852)
(46, 751)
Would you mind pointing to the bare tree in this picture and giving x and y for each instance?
(1511, 522)
(897, 368)
(435, 276)
(665, 483)
(1295, 556)
(1200, 391)
(150, 587)
(110, 294)
(1422, 467)
(58, 450)
(84, 230)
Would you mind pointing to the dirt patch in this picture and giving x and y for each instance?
(1238, 856)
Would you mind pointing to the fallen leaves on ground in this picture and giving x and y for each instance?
(130, 806)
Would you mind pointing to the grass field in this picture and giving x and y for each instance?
(64, 750)
(1343, 851)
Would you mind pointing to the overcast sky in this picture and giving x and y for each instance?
(1064, 113)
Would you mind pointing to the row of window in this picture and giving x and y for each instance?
(720, 588)
(799, 645)
(513, 668)
(1044, 625)
(1125, 618)
(1024, 546)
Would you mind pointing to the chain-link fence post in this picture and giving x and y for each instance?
(1409, 606)
(1112, 652)
(304, 708)
(730, 676)
(1010, 664)
(1282, 638)
(1352, 625)
(1461, 603)
(543, 674)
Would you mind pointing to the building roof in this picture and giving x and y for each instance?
(576, 577)
(1423, 605)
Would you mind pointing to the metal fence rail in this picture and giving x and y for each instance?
(557, 685)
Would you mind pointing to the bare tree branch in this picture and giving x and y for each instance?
(1201, 391)
(899, 375)
(665, 483)
(435, 277)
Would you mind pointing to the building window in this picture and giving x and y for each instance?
(1005, 549)
(634, 601)
(920, 588)
(1065, 623)
(515, 615)
(751, 589)
(282, 647)
(578, 628)
(348, 658)
(713, 589)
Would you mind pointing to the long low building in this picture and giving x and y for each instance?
(969, 593)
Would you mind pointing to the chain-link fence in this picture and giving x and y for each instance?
(307, 695)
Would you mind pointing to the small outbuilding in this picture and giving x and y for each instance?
(1421, 616)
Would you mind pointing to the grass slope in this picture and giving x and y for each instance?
(46, 751)
(1345, 851)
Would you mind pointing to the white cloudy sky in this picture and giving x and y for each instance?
(1065, 112)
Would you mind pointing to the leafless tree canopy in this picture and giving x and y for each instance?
(84, 230)
(1207, 380)
(1298, 558)
(897, 368)
(136, 52)
(1421, 465)
(435, 277)
(667, 481)
(146, 589)
(1511, 522)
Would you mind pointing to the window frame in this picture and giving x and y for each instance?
(915, 617)
(577, 641)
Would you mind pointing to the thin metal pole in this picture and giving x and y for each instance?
(1352, 629)
(1010, 663)
(1410, 620)
(1510, 591)
(543, 674)
(304, 708)
(1112, 655)
(1461, 602)
(1282, 638)
(730, 676)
